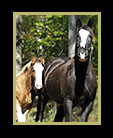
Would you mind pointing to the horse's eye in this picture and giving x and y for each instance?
(86, 53)
(78, 40)
(33, 70)
(78, 36)
(90, 36)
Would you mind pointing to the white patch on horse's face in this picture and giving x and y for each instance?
(38, 74)
(83, 35)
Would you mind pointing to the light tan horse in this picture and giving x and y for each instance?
(27, 82)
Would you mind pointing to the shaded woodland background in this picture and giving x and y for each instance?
(46, 35)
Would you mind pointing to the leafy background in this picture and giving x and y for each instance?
(48, 35)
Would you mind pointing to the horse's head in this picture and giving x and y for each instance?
(85, 37)
(37, 71)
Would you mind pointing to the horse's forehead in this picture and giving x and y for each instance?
(84, 33)
(38, 66)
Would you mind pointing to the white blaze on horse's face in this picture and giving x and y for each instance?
(38, 74)
(83, 35)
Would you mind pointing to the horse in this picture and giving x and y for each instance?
(71, 82)
(28, 81)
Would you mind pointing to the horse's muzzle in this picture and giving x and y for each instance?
(38, 86)
(82, 60)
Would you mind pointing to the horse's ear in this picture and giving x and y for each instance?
(34, 59)
(42, 60)
(78, 23)
(90, 23)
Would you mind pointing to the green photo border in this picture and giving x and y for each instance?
(99, 68)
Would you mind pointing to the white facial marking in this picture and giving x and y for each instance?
(83, 35)
(38, 74)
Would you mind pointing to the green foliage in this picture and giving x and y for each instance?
(47, 35)
(44, 35)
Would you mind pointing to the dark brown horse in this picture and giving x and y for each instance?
(27, 82)
(71, 82)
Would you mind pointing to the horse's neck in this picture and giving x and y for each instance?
(81, 72)
(82, 68)
(89, 66)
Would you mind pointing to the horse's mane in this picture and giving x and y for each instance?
(24, 69)
(28, 65)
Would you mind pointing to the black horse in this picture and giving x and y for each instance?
(71, 82)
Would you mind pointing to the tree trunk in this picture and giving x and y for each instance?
(72, 35)
(18, 43)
